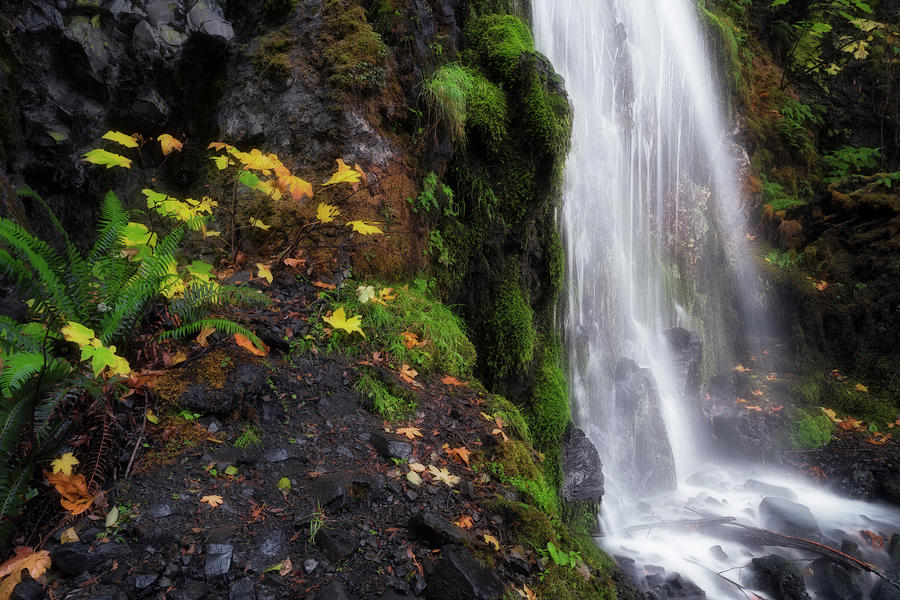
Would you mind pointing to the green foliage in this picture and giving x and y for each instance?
(775, 196)
(279, 8)
(782, 259)
(500, 41)
(549, 415)
(435, 195)
(445, 94)
(391, 408)
(845, 398)
(562, 558)
(509, 332)
(808, 428)
(249, 436)
(889, 180)
(851, 160)
(797, 121)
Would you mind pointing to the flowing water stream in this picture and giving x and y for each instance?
(655, 234)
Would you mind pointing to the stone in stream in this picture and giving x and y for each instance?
(885, 591)
(582, 469)
(754, 485)
(831, 581)
(649, 462)
(776, 576)
(789, 518)
(674, 586)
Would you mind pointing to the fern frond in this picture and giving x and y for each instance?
(13, 419)
(13, 339)
(224, 325)
(12, 497)
(113, 218)
(199, 297)
(45, 264)
(18, 367)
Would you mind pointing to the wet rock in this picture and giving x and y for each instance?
(885, 591)
(243, 385)
(218, 560)
(890, 487)
(195, 590)
(76, 558)
(893, 548)
(242, 589)
(687, 352)
(851, 548)
(649, 462)
(277, 455)
(437, 531)
(673, 586)
(309, 565)
(467, 489)
(718, 552)
(789, 518)
(333, 591)
(107, 592)
(767, 489)
(777, 577)
(582, 469)
(269, 550)
(339, 490)
(27, 589)
(516, 562)
(158, 511)
(142, 581)
(831, 581)
(336, 543)
(390, 447)
(458, 576)
(206, 18)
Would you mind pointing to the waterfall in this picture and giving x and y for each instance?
(655, 229)
(651, 208)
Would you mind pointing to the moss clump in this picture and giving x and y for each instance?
(272, 55)
(500, 41)
(487, 112)
(355, 53)
(445, 92)
(549, 415)
(847, 398)
(517, 460)
(509, 335)
(807, 428)
(211, 370)
(389, 406)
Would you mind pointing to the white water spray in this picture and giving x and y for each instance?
(655, 236)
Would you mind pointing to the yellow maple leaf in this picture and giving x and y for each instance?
(831, 414)
(129, 141)
(344, 174)
(326, 212)
(264, 272)
(169, 144)
(260, 225)
(339, 320)
(213, 500)
(295, 186)
(365, 227)
(64, 463)
(77, 333)
(219, 146)
(410, 432)
(443, 475)
(492, 541)
(861, 388)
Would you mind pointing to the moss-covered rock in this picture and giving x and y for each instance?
(509, 337)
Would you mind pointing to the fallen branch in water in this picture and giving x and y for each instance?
(678, 523)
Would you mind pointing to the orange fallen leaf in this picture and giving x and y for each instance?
(205, 333)
(213, 500)
(498, 431)
(75, 496)
(323, 285)
(821, 285)
(450, 380)
(245, 343)
(873, 539)
(37, 564)
(294, 263)
(410, 339)
(462, 453)
(465, 522)
(740, 368)
(756, 408)
(410, 432)
(757, 393)
(881, 441)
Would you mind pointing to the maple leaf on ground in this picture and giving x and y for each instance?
(443, 475)
(326, 212)
(294, 263)
(205, 332)
(410, 340)
(295, 186)
(740, 368)
(525, 592)
(64, 463)
(213, 500)
(323, 285)
(462, 453)
(37, 564)
(465, 522)
(264, 272)
(408, 374)
(492, 541)
(499, 431)
(365, 227)
(339, 320)
(450, 380)
(74, 495)
(168, 144)
(410, 432)
(259, 224)
(860, 388)
(245, 343)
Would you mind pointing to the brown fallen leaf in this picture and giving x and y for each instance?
(450, 380)
(410, 340)
(462, 453)
(323, 285)
(213, 500)
(465, 522)
(74, 495)
(37, 564)
(245, 343)
(410, 432)
(204, 333)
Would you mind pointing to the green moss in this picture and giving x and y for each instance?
(807, 428)
(445, 93)
(549, 415)
(517, 460)
(512, 416)
(500, 41)
(355, 53)
(389, 406)
(272, 55)
(279, 8)
(509, 335)
(487, 112)
(845, 398)
(807, 391)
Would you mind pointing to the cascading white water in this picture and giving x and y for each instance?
(655, 238)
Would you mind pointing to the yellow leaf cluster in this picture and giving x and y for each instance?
(339, 320)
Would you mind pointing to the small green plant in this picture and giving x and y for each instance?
(889, 180)
(445, 95)
(782, 258)
(317, 521)
(435, 194)
(390, 407)
(775, 196)
(561, 558)
(797, 121)
(250, 435)
(188, 415)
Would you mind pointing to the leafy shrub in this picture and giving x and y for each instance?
(797, 120)
(851, 160)
(775, 196)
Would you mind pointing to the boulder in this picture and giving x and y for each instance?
(686, 350)
(436, 530)
(831, 581)
(673, 586)
(647, 456)
(458, 576)
(777, 577)
(582, 469)
(789, 518)
(337, 544)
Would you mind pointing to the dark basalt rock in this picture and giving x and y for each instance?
(242, 589)
(245, 384)
(340, 490)
(333, 591)
(777, 577)
(76, 558)
(218, 560)
(769, 489)
(336, 543)
(582, 469)
(789, 518)
(27, 589)
(390, 447)
(458, 576)
(673, 586)
(650, 462)
(831, 581)
(436, 530)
